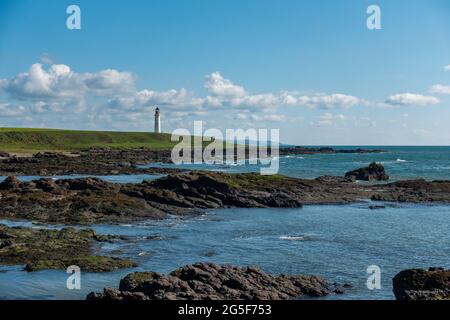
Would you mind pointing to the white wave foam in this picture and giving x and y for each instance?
(295, 238)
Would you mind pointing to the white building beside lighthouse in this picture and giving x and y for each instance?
(157, 121)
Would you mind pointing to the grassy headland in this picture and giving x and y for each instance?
(33, 140)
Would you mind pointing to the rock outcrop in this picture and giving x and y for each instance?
(10, 183)
(419, 284)
(323, 150)
(4, 155)
(92, 200)
(374, 172)
(94, 161)
(414, 191)
(40, 249)
(206, 281)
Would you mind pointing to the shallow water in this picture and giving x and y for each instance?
(338, 242)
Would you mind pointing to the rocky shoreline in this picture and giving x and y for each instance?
(94, 161)
(106, 161)
(298, 150)
(86, 201)
(40, 249)
(92, 200)
(207, 281)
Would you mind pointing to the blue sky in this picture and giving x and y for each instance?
(310, 68)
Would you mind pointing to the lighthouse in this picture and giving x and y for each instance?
(157, 121)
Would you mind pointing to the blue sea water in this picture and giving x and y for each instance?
(337, 242)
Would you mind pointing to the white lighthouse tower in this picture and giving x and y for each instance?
(157, 121)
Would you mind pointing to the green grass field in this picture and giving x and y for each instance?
(33, 140)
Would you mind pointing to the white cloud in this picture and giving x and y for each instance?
(440, 89)
(69, 106)
(49, 91)
(262, 101)
(323, 101)
(144, 99)
(51, 88)
(11, 110)
(218, 85)
(274, 117)
(108, 81)
(212, 101)
(226, 93)
(259, 117)
(331, 101)
(411, 99)
(447, 68)
(329, 119)
(59, 82)
(241, 116)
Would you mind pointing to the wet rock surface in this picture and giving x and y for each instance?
(92, 200)
(94, 161)
(4, 154)
(206, 281)
(323, 150)
(374, 172)
(42, 249)
(415, 191)
(419, 284)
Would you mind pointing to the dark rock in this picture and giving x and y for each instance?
(47, 155)
(205, 281)
(114, 295)
(209, 253)
(86, 264)
(5, 243)
(55, 249)
(296, 150)
(9, 183)
(95, 161)
(374, 172)
(376, 207)
(334, 179)
(419, 284)
(185, 182)
(87, 184)
(92, 200)
(46, 184)
(4, 154)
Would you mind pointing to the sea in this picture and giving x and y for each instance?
(342, 243)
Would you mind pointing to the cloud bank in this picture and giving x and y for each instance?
(411, 99)
(111, 96)
(440, 89)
